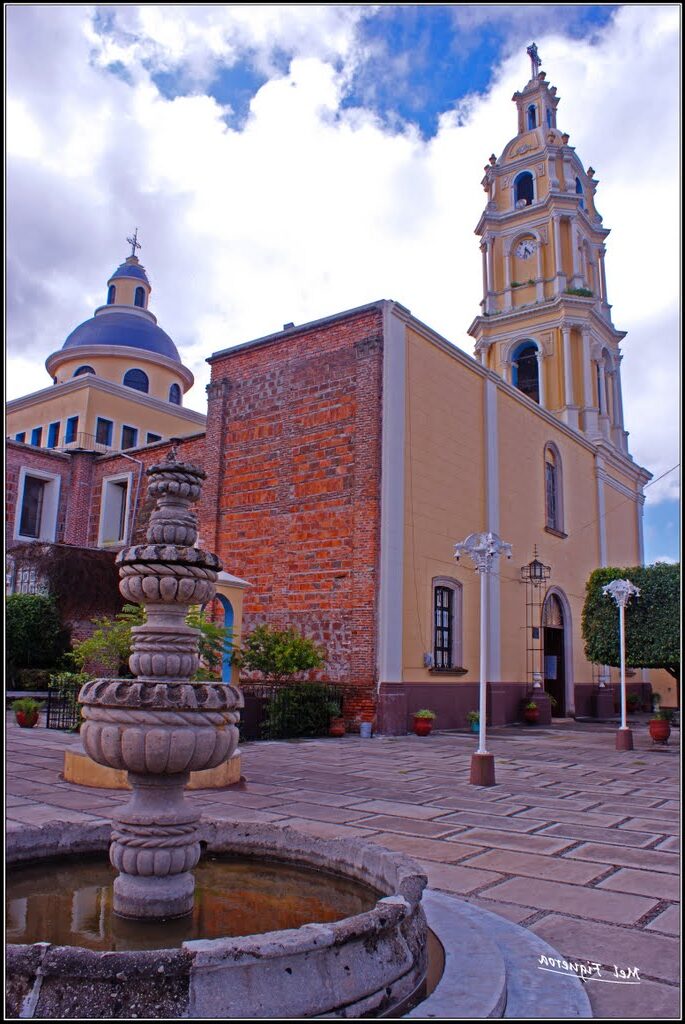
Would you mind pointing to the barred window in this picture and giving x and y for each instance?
(444, 626)
(554, 509)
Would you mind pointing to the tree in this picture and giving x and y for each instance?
(35, 637)
(107, 650)
(279, 654)
(652, 621)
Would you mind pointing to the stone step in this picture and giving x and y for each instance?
(492, 969)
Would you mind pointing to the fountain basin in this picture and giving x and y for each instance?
(372, 963)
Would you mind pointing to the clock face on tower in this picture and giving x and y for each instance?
(526, 248)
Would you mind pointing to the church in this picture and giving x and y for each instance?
(346, 457)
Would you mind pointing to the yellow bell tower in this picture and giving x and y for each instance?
(545, 323)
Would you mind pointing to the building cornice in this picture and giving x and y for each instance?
(565, 202)
(57, 359)
(88, 381)
(574, 308)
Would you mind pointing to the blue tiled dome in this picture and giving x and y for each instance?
(123, 329)
(131, 270)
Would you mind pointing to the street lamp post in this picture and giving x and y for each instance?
(622, 591)
(482, 549)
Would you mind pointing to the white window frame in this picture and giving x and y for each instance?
(50, 510)
(107, 482)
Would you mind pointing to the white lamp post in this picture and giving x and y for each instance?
(482, 549)
(622, 591)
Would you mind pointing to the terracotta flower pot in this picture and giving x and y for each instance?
(531, 715)
(337, 727)
(659, 730)
(423, 726)
(26, 719)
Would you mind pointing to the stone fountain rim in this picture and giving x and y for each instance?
(353, 858)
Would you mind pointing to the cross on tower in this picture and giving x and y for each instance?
(535, 61)
(134, 243)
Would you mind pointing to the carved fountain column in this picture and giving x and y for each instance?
(160, 726)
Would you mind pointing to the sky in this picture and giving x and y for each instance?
(287, 162)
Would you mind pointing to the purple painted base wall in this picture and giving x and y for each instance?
(451, 703)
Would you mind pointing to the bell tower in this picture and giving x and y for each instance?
(545, 323)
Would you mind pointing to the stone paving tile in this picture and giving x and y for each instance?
(508, 910)
(644, 883)
(655, 956)
(647, 1001)
(244, 798)
(506, 805)
(669, 828)
(311, 796)
(390, 823)
(38, 814)
(671, 845)
(668, 921)
(403, 810)
(554, 869)
(573, 817)
(595, 904)
(424, 849)
(317, 812)
(454, 878)
(627, 807)
(517, 824)
(217, 810)
(513, 841)
(623, 837)
(327, 829)
(630, 857)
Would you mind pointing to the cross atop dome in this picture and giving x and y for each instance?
(134, 243)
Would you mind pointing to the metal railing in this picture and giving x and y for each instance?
(288, 711)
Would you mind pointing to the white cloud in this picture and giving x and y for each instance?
(311, 208)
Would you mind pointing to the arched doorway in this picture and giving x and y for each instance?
(554, 653)
(228, 643)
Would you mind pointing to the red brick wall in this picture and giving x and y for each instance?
(18, 455)
(296, 467)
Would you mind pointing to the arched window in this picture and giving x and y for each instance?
(83, 369)
(447, 624)
(523, 189)
(532, 116)
(175, 394)
(525, 371)
(600, 397)
(139, 299)
(111, 294)
(136, 379)
(579, 192)
(554, 506)
(549, 118)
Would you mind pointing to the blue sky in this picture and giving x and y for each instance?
(285, 162)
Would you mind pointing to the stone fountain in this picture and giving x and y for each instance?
(160, 726)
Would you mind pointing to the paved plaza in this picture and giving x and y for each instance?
(576, 842)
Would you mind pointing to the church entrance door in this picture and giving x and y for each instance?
(554, 654)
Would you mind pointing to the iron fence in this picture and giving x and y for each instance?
(288, 712)
(63, 710)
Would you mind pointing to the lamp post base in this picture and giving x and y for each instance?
(482, 770)
(624, 739)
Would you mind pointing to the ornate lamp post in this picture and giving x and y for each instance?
(482, 549)
(622, 591)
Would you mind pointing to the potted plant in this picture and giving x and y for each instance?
(26, 711)
(473, 718)
(633, 702)
(531, 712)
(660, 725)
(336, 725)
(423, 721)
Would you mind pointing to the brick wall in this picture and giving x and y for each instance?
(294, 442)
(41, 459)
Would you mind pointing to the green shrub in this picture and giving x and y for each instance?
(279, 654)
(300, 710)
(34, 635)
